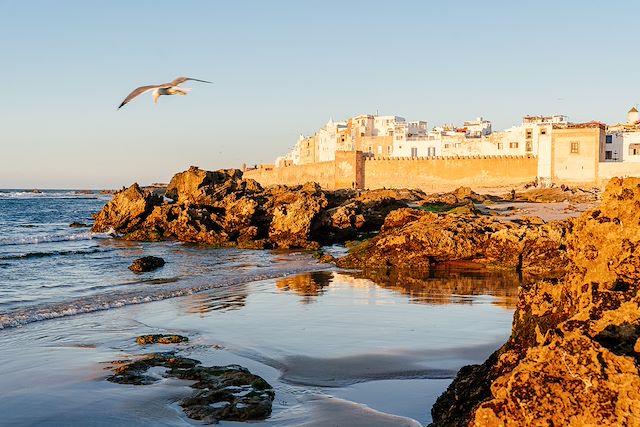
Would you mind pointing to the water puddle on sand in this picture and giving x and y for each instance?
(338, 348)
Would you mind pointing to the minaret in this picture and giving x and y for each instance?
(633, 116)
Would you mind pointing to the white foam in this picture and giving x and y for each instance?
(21, 194)
(47, 238)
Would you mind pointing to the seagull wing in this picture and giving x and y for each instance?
(138, 91)
(180, 80)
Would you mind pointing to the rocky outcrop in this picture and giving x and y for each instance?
(574, 353)
(562, 193)
(416, 239)
(457, 197)
(126, 211)
(222, 208)
(365, 212)
(147, 263)
(202, 187)
(229, 393)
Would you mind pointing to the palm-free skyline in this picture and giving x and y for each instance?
(283, 68)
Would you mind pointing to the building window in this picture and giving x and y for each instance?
(575, 147)
(390, 133)
(431, 151)
(513, 145)
(499, 145)
(446, 145)
(361, 133)
(543, 131)
(609, 139)
(370, 149)
(608, 155)
(529, 133)
(389, 149)
(456, 145)
(529, 146)
(634, 149)
(414, 151)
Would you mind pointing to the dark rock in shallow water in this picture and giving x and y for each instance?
(78, 225)
(147, 263)
(160, 339)
(229, 393)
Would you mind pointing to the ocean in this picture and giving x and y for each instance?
(49, 269)
(338, 348)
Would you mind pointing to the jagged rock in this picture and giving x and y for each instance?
(160, 339)
(412, 238)
(147, 263)
(229, 393)
(459, 196)
(207, 187)
(126, 210)
(574, 354)
(293, 217)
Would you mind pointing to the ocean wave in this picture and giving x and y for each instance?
(30, 255)
(111, 300)
(47, 238)
(71, 194)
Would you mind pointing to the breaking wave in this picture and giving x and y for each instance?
(47, 238)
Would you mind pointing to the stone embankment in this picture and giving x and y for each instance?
(574, 353)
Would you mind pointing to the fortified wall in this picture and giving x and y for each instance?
(357, 170)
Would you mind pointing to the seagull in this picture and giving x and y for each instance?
(171, 88)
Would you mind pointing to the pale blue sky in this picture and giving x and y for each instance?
(282, 68)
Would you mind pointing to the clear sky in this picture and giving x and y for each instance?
(282, 68)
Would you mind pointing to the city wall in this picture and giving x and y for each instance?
(608, 170)
(323, 173)
(354, 169)
(443, 174)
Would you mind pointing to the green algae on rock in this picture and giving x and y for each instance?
(230, 393)
(161, 339)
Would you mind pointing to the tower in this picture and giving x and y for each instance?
(633, 116)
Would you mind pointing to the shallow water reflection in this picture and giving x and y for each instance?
(307, 285)
(446, 286)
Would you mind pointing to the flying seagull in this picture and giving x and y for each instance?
(171, 88)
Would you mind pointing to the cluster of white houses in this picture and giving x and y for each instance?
(394, 137)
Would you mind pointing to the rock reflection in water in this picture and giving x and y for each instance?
(307, 285)
(443, 286)
(447, 285)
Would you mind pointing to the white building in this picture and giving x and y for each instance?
(477, 128)
(385, 125)
(327, 138)
(623, 140)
